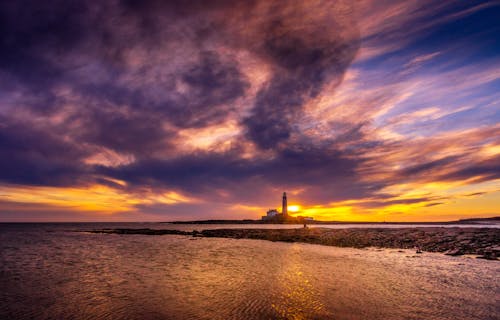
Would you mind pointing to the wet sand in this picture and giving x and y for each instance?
(484, 242)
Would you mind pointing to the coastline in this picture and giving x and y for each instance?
(483, 242)
(479, 222)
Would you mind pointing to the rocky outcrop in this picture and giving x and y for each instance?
(151, 232)
(484, 242)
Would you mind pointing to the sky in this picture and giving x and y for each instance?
(150, 110)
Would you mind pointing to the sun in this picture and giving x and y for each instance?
(293, 208)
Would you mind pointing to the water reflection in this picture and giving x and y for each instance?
(297, 298)
(69, 275)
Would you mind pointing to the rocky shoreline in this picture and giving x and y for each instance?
(484, 242)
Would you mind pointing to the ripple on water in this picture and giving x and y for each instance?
(88, 276)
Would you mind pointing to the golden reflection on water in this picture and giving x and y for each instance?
(298, 298)
(75, 275)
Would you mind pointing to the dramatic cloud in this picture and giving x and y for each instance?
(209, 109)
(38, 157)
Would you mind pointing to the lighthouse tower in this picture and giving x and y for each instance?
(284, 207)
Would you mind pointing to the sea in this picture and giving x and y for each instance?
(60, 271)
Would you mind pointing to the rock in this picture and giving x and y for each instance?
(496, 250)
(454, 252)
(489, 255)
(451, 241)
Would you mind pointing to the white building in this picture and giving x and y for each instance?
(271, 214)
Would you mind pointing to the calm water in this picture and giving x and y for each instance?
(48, 271)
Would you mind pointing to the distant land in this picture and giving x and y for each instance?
(491, 220)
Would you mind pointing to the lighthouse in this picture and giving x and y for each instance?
(284, 207)
(273, 216)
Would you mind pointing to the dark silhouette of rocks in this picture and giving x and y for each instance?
(451, 241)
(151, 232)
